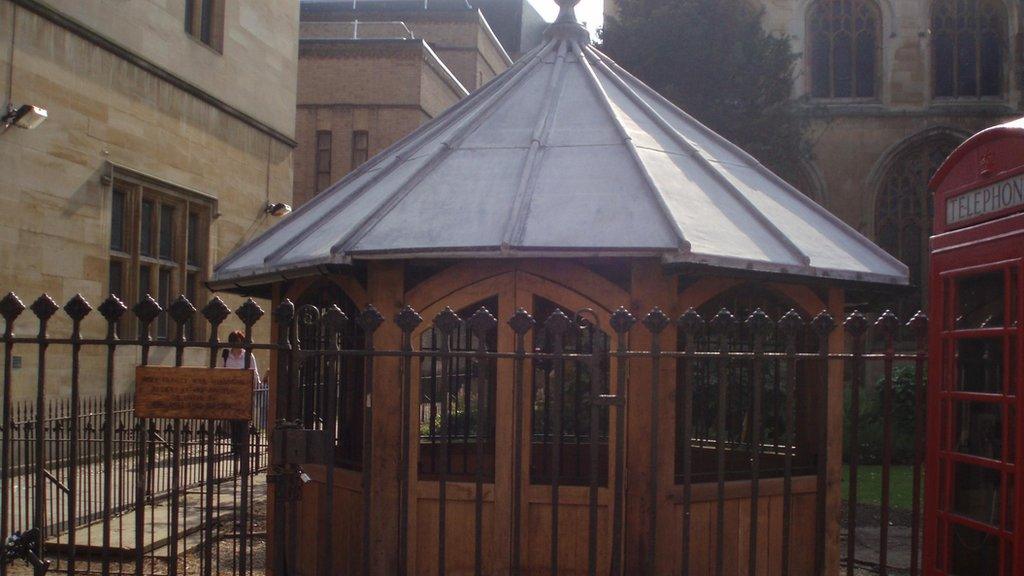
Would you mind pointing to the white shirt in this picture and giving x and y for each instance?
(238, 361)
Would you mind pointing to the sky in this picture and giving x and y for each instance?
(588, 12)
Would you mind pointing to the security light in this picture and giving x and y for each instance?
(277, 209)
(25, 116)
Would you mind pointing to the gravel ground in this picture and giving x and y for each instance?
(190, 566)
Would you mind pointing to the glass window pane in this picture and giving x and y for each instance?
(979, 365)
(166, 231)
(971, 552)
(144, 281)
(966, 63)
(842, 51)
(979, 429)
(206, 20)
(943, 66)
(115, 278)
(117, 212)
(866, 64)
(192, 293)
(193, 239)
(821, 71)
(991, 66)
(145, 288)
(146, 228)
(164, 298)
(981, 301)
(976, 493)
(189, 15)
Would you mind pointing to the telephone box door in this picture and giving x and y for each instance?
(978, 433)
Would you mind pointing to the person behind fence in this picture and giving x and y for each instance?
(234, 357)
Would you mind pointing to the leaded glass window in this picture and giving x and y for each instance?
(844, 46)
(968, 48)
(904, 210)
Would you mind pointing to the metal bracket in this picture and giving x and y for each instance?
(610, 400)
(292, 446)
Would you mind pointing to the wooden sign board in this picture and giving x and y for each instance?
(201, 393)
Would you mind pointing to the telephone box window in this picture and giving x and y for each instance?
(981, 301)
(976, 493)
(980, 363)
(979, 429)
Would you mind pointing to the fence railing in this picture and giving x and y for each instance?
(88, 466)
(726, 405)
(109, 492)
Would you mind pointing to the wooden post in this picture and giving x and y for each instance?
(650, 287)
(385, 290)
(272, 408)
(834, 453)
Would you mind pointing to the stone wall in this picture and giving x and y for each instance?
(254, 70)
(386, 87)
(107, 114)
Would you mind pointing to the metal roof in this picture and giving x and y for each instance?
(564, 155)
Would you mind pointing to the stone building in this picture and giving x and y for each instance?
(369, 75)
(170, 127)
(891, 87)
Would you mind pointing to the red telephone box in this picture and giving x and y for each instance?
(973, 509)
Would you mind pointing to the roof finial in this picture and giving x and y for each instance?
(566, 26)
(567, 11)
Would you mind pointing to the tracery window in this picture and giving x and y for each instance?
(968, 47)
(844, 47)
(904, 210)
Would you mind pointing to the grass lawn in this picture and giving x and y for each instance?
(869, 485)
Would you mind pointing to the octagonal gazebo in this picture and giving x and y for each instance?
(565, 183)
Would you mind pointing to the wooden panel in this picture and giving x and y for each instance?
(460, 527)
(736, 556)
(573, 523)
(201, 393)
(348, 509)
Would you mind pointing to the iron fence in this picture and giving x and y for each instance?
(747, 400)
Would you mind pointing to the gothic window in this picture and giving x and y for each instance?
(968, 47)
(904, 210)
(844, 46)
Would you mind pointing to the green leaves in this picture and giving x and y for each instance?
(716, 61)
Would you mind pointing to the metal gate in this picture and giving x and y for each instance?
(560, 409)
(86, 487)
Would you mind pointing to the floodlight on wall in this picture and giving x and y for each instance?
(277, 209)
(25, 116)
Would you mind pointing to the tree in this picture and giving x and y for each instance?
(715, 60)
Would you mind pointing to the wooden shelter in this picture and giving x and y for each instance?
(564, 184)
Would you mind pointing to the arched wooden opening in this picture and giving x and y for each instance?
(470, 397)
(316, 374)
(446, 458)
(741, 301)
(502, 288)
(570, 404)
(725, 504)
